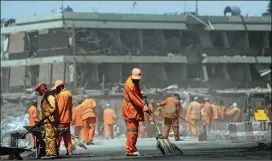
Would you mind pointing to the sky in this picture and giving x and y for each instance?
(24, 9)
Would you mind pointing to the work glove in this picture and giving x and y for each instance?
(144, 96)
(147, 110)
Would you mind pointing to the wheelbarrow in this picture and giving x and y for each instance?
(39, 144)
(13, 151)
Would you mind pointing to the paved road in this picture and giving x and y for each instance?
(192, 149)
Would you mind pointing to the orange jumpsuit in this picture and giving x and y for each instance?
(233, 114)
(49, 106)
(88, 116)
(64, 99)
(215, 112)
(109, 120)
(33, 117)
(132, 111)
(145, 128)
(77, 121)
(221, 110)
(193, 116)
(170, 113)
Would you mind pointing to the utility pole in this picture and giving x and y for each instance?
(196, 7)
(74, 54)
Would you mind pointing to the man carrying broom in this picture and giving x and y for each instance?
(133, 109)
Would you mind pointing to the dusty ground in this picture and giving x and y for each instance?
(192, 149)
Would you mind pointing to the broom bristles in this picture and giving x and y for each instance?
(165, 146)
(78, 142)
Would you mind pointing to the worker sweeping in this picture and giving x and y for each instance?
(149, 124)
(171, 107)
(133, 109)
(193, 116)
(64, 99)
(109, 121)
(76, 119)
(88, 115)
(50, 110)
(33, 118)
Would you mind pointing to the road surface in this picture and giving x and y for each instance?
(192, 149)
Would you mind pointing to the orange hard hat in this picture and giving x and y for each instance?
(136, 73)
(57, 83)
(39, 85)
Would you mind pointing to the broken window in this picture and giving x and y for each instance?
(173, 39)
(256, 40)
(216, 38)
(150, 42)
(194, 71)
(236, 39)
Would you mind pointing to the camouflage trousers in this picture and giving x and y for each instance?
(50, 139)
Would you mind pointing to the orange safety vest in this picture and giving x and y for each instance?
(87, 109)
(33, 115)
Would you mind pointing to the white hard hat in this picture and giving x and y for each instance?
(234, 104)
(108, 105)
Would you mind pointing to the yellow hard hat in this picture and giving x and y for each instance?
(136, 73)
(57, 83)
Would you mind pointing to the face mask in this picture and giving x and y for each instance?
(135, 81)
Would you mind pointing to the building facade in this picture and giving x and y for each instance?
(86, 49)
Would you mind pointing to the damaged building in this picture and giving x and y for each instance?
(86, 49)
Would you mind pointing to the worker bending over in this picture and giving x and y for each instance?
(76, 119)
(33, 118)
(171, 107)
(133, 109)
(109, 121)
(233, 113)
(51, 112)
(88, 115)
(193, 116)
(64, 99)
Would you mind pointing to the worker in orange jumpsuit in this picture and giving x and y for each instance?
(109, 121)
(215, 112)
(193, 116)
(145, 127)
(64, 99)
(222, 110)
(88, 115)
(133, 109)
(207, 117)
(76, 119)
(171, 107)
(233, 113)
(33, 118)
(50, 111)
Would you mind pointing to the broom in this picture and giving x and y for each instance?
(77, 142)
(201, 130)
(163, 143)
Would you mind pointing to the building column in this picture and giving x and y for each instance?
(266, 42)
(140, 40)
(225, 39)
(205, 72)
(95, 73)
(226, 72)
(184, 75)
(246, 40)
(247, 73)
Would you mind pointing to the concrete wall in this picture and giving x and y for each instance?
(17, 75)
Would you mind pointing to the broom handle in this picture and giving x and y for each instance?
(186, 121)
(153, 119)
